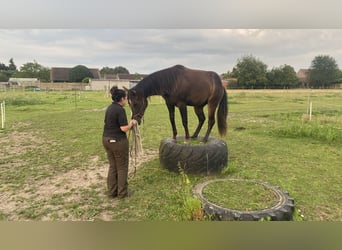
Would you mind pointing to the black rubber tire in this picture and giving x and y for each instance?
(207, 158)
(282, 211)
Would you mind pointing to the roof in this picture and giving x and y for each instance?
(124, 77)
(96, 73)
(14, 79)
(61, 74)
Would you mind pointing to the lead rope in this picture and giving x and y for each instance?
(131, 148)
(135, 148)
(131, 156)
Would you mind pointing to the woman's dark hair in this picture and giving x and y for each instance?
(117, 94)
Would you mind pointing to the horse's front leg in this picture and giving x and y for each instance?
(184, 115)
(171, 109)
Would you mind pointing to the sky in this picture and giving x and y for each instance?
(147, 50)
(146, 36)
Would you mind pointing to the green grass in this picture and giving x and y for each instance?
(240, 195)
(270, 138)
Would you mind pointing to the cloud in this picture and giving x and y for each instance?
(171, 14)
(148, 50)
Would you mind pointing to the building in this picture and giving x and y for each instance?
(21, 81)
(61, 74)
(119, 80)
(303, 76)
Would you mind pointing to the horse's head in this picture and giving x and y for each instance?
(138, 104)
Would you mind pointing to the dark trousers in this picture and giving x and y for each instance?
(117, 153)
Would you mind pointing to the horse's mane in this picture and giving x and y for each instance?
(159, 82)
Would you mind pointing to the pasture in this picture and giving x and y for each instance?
(53, 165)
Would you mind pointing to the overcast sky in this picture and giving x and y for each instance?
(145, 36)
(147, 50)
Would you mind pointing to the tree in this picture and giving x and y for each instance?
(3, 77)
(251, 72)
(30, 69)
(282, 77)
(120, 70)
(137, 76)
(339, 80)
(7, 71)
(323, 71)
(107, 71)
(33, 70)
(79, 72)
(113, 71)
(226, 75)
(3, 67)
(12, 66)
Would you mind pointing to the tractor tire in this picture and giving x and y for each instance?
(206, 158)
(282, 211)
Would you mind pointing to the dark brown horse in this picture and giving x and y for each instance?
(182, 87)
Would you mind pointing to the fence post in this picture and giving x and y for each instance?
(3, 114)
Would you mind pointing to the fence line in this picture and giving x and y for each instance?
(46, 86)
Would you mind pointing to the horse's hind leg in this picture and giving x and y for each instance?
(211, 120)
(184, 115)
(201, 118)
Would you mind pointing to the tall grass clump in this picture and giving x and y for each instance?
(192, 206)
(311, 130)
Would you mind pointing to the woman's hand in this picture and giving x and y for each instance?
(129, 125)
(133, 122)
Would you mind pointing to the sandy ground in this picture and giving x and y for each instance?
(92, 174)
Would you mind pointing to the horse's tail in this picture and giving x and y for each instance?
(222, 114)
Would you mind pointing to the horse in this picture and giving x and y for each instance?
(181, 87)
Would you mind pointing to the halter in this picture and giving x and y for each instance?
(138, 115)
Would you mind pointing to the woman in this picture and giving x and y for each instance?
(115, 142)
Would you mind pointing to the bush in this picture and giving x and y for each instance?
(79, 73)
(86, 80)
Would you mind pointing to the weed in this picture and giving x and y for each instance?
(192, 206)
(297, 215)
(2, 216)
(268, 218)
(232, 168)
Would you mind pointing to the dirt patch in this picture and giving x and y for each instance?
(19, 142)
(95, 173)
(38, 196)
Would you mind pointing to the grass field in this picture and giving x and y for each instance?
(53, 166)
